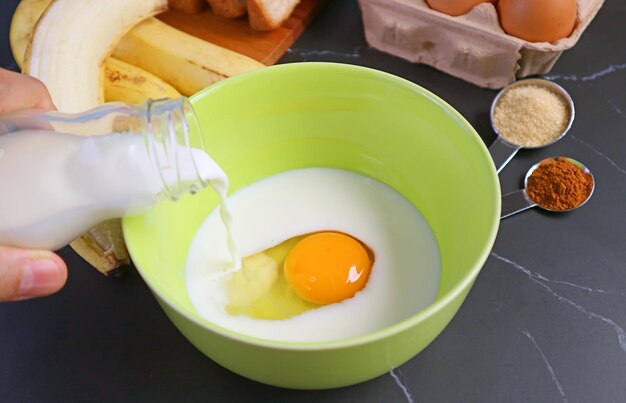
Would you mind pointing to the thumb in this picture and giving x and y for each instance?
(29, 273)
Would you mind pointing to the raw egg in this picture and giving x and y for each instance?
(538, 20)
(455, 7)
(318, 269)
(329, 254)
(327, 267)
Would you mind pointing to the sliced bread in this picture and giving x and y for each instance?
(265, 15)
(228, 8)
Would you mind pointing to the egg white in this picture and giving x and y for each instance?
(404, 278)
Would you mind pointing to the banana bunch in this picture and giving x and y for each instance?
(91, 51)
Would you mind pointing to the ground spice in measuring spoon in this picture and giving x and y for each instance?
(531, 116)
(558, 184)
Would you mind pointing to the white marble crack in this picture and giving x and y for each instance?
(617, 109)
(306, 55)
(592, 148)
(609, 70)
(537, 278)
(613, 68)
(580, 287)
(545, 360)
(401, 385)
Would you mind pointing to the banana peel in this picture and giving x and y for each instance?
(173, 56)
(124, 82)
(102, 246)
(69, 64)
(24, 20)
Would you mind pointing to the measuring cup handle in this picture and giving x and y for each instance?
(501, 153)
(515, 202)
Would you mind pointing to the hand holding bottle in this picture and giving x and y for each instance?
(27, 273)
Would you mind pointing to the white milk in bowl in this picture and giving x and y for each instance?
(272, 217)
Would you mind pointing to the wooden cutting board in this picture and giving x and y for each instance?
(236, 34)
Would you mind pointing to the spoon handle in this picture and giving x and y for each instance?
(515, 202)
(502, 152)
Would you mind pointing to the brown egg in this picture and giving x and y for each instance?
(455, 7)
(538, 20)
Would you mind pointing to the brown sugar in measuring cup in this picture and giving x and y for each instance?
(530, 116)
(530, 113)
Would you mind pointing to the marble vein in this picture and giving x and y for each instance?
(306, 55)
(540, 280)
(401, 385)
(545, 360)
(617, 109)
(541, 277)
(580, 287)
(592, 148)
(613, 68)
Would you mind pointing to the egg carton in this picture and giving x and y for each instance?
(472, 47)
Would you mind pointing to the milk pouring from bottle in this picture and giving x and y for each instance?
(62, 174)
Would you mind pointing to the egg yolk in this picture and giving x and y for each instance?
(327, 267)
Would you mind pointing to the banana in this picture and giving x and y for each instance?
(68, 61)
(122, 82)
(126, 83)
(103, 246)
(188, 63)
(24, 20)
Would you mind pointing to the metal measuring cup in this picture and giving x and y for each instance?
(502, 151)
(518, 201)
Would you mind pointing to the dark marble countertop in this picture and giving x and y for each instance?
(544, 322)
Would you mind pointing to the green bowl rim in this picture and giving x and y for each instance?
(396, 327)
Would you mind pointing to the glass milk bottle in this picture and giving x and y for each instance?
(62, 174)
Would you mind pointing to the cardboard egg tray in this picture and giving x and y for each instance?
(472, 47)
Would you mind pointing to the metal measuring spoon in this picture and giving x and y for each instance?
(519, 200)
(501, 150)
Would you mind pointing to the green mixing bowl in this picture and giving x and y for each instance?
(329, 115)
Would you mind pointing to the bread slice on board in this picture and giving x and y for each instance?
(269, 14)
(228, 8)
